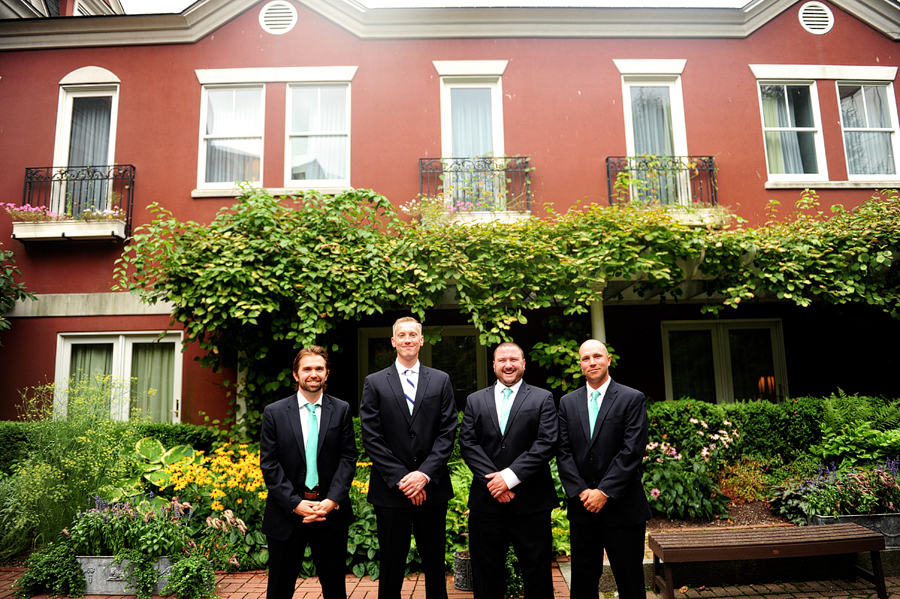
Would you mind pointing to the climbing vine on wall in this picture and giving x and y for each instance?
(268, 270)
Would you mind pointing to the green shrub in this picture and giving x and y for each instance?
(191, 578)
(841, 410)
(52, 569)
(786, 430)
(857, 444)
(198, 436)
(14, 444)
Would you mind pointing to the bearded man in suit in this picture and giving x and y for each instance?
(603, 430)
(508, 436)
(307, 453)
(408, 418)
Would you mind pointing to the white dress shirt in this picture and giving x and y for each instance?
(304, 413)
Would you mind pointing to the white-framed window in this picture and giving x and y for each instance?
(146, 367)
(231, 135)
(459, 353)
(724, 361)
(471, 107)
(318, 135)
(85, 138)
(869, 124)
(655, 127)
(792, 130)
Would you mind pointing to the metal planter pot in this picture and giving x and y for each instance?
(887, 524)
(105, 577)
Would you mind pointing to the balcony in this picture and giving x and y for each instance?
(83, 202)
(686, 181)
(480, 188)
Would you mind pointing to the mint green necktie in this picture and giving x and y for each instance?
(312, 442)
(593, 410)
(505, 405)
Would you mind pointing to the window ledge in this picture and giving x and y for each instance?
(888, 184)
(500, 216)
(67, 230)
(275, 191)
(700, 217)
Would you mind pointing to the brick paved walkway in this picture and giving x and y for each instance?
(252, 585)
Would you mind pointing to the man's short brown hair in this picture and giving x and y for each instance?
(311, 350)
(403, 319)
(509, 344)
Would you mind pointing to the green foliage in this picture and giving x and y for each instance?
(789, 502)
(265, 270)
(14, 444)
(842, 409)
(11, 291)
(458, 511)
(362, 541)
(140, 574)
(229, 545)
(872, 490)
(515, 584)
(53, 570)
(138, 525)
(857, 444)
(747, 480)
(75, 448)
(685, 489)
(786, 430)
(559, 529)
(191, 577)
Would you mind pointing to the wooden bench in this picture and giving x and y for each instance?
(764, 543)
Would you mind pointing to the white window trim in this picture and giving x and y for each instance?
(319, 184)
(471, 74)
(121, 342)
(201, 161)
(722, 352)
(676, 99)
(895, 125)
(67, 93)
(821, 158)
(662, 66)
(813, 72)
(228, 77)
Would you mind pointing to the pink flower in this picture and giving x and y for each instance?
(654, 493)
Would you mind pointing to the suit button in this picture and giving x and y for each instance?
(592, 458)
(412, 435)
(503, 446)
(416, 460)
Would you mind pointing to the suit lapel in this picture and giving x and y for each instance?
(520, 399)
(325, 417)
(424, 378)
(608, 400)
(293, 417)
(393, 379)
(490, 405)
(582, 409)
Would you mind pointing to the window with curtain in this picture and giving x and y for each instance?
(470, 113)
(474, 180)
(233, 134)
(790, 128)
(319, 133)
(142, 371)
(869, 129)
(724, 361)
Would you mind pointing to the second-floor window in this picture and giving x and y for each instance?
(318, 135)
(792, 125)
(232, 135)
(869, 124)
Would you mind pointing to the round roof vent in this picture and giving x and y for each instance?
(816, 18)
(278, 17)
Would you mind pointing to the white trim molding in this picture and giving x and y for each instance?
(89, 75)
(812, 72)
(275, 75)
(470, 68)
(49, 305)
(673, 66)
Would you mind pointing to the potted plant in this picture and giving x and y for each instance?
(130, 547)
(869, 497)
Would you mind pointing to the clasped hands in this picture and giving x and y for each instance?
(314, 511)
(593, 499)
(498, 488)
(413, 486)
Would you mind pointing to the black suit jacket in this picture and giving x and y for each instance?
(610, 460)
(282, 458)
(526, 448)
(399, 442)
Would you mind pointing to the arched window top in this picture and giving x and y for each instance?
(87, 75)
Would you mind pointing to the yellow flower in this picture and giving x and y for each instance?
(217, 507)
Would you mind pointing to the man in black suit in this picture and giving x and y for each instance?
(307, 453)
(602, 438)
(408, 418)
(508, 436)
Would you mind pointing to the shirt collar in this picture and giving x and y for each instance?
(401, 368)
(302, 400)
(602, 388)
(515, 388)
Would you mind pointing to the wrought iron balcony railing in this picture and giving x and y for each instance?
(666, 180)
(83, 192)
(480, 184)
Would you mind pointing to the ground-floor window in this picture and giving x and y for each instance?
(146, 366)
(724, 361)
(458, 353)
